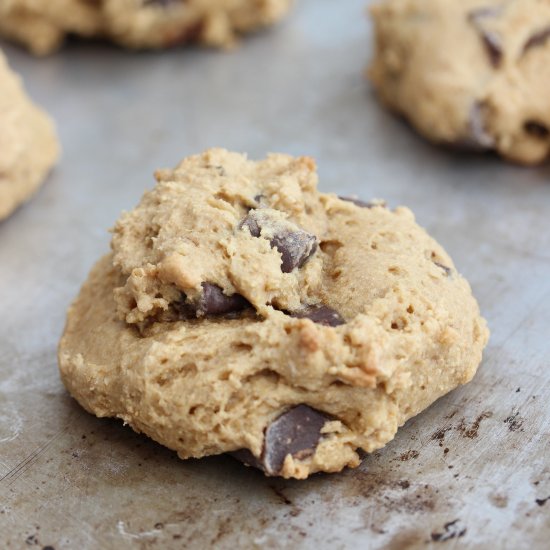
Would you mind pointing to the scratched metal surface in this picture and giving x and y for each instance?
(473, 471)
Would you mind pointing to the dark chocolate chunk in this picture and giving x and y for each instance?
(362, 204)
(537, 39)
(446, 269)
(213, 301)
(491, 40)
(536, 129)
(252, 224)
(295, 245)
(296, 432)
(322, 315)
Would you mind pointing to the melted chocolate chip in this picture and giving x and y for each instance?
(295, 245)
(322, 315)
(363, 204)
(213, 301)
(536, 129)
(296, 432)
(537, 39)
(491, 40)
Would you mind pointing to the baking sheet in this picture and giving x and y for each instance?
(473, 471)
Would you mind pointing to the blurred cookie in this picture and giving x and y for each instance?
(42, 26)
(242, 311)
(470, 74)
(28, 144)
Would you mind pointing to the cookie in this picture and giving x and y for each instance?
(241, 311)
(28, 144)
(43, 26)
(470, 74)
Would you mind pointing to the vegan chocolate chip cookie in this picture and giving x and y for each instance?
(471, 74)
(242, 311)
(42, 26)
(28, 145)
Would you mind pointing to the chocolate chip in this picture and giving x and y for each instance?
(491, 39)
(363, 204)
(213, 301)
(295, 245)
(446, 269)
(536, 129)
(296, 432)
(252, 224)
(537, 39)
(322, 315)
(494, 47)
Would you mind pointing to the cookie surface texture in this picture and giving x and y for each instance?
(469, 74)
(28, 144)
(42, 26)
(242, 311)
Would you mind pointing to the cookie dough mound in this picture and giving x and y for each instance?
(471, 74)
(42, 26)
(28, 145)
(242, 311)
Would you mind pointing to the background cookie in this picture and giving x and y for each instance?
(42, 26)
(470, 74)
(28, 145)
(241, 309)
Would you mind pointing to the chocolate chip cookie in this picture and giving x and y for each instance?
(28, 144)
(470, 74)
(241, 311)
(42, 26)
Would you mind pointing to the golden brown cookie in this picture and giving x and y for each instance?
(242, 311)
(470, 74)
(28, 144)
(42, 26)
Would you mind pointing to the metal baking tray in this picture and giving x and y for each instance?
(472, 471)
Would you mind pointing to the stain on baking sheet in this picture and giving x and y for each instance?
(470, 431)
(384, 496)
(408, 455)
(499, 500)
(280, 494)
(514, 421)
(451, 530)
(439, 435)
